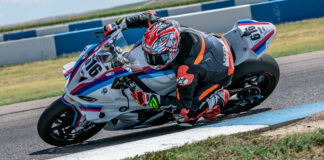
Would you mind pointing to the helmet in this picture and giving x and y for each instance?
(160, 43)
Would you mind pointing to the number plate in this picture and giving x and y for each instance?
(258, 35)
(93, 68)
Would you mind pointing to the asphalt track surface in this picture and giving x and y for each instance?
(301, 82)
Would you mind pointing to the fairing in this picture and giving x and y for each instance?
(92, 94)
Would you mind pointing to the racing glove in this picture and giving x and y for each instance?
(144, 99)
(119, 24)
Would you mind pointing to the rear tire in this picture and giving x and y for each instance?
(55, 126)
(267, 67)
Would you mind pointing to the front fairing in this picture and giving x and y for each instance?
(92, 93)
(92, 70)
(88, 87)
(90, 75)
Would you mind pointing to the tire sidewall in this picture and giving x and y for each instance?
(50, 115)
(265, 65)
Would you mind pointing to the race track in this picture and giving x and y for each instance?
(301, 81)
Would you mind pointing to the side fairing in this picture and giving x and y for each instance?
(67, 69)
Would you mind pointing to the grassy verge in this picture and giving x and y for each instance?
(138, 7)
(298, 37)
(43, 79)
(34, 80)
(248, 146)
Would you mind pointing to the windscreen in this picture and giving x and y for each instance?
(114, 46)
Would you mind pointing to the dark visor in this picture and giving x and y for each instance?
(157, 59)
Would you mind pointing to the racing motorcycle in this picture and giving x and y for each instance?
(100, 83)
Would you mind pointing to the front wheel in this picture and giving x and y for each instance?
(253, 82)
(55, 126)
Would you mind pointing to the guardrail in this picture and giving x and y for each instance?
(100, 22)
(218, 20)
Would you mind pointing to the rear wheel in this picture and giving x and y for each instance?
(253, 82)
(55, 126)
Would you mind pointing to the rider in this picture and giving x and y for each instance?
(202, 62)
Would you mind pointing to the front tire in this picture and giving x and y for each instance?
(55, 126)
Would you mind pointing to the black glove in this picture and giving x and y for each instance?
(119, 24)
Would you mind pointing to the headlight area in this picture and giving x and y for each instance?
(88, 99)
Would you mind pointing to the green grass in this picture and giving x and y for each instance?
(298, 37)
(36, 80)
(248, 146)
(138, 7)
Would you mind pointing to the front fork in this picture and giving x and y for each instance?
(69, 102)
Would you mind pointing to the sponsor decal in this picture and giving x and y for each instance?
(154, 102)
(104, 91)
(123, 109)
(184, 78)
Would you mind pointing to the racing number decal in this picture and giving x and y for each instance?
(254, 36)
(93, 68)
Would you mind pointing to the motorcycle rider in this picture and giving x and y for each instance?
(203, 64)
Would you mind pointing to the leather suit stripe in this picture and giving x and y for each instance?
(209, 90)
(230, 57)
(200, 56)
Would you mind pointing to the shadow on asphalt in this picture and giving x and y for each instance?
(139, 135)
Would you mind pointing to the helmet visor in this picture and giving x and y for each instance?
(157, 59)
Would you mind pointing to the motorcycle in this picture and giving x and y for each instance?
(100, 83)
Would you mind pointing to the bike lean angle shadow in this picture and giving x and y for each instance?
(140, 134)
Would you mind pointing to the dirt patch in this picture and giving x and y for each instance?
(308, 124)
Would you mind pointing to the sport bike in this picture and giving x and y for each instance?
(100, 83)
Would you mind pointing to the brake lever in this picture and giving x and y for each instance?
(122, 88)
(127, 83)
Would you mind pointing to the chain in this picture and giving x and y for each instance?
(242, 89)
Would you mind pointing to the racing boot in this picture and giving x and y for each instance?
(209, 109)
(216, 103)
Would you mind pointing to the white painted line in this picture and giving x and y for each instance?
(158, 143)
(43, 31)
(241, 2)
